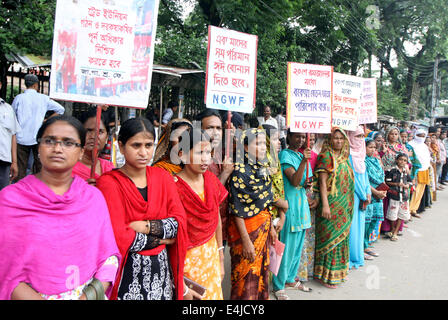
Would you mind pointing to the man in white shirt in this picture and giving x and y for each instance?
(8, 146)
(267, 119)
(281, 120)
(30, 108)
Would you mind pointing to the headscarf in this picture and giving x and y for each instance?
(358, 150)
(421, 149)
(274, 167)
(329, 162)
(163, 146)
(250, 183)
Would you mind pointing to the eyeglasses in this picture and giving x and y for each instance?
(66, 144)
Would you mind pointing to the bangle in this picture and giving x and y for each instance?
(148, 225)
(220, 248)
(186, 291)
(90, 292)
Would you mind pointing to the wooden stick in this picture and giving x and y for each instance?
(229, 118)
(95, 148)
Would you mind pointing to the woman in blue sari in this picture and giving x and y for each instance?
(374, 212)
(362, 197)
(294, 167)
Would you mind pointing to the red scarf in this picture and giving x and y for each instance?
(202, 216)
(126, 205)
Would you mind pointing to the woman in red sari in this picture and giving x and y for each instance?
(148, 220)
(201, 194)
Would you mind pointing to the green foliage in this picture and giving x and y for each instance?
(389, 103)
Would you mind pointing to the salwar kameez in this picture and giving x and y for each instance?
(297, 221)
(357, 229)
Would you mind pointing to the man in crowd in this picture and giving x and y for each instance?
(267, 119)
(169, 113)
(8, 146)
(30, 108)
(281, 120)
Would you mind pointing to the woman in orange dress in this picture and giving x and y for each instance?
(201, 194)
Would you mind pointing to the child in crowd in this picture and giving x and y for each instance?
(399, 182)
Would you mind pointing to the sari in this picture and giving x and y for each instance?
(331, 259)
(251, 198)
(145, 260)
(202, 263)
(297, 220)
(58, 237)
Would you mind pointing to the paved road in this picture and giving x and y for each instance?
(413, 268)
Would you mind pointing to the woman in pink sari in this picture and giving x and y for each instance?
(56, 239)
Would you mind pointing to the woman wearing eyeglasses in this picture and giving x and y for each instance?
(56, 239)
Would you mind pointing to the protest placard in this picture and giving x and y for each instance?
(230, 82)
(309, 91)
(369, 110)
(346, 101)
(103, 51)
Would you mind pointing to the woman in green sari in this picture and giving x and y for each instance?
(335, 186)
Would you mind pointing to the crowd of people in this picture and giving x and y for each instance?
(159, 231)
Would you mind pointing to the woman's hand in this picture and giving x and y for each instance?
(326, 213)
(313, 203)
(273, 234)
(191, 294)
(221, 262)
(248, 250)
(281, 221)
(139, 226)
(306, 154)
(167, 241)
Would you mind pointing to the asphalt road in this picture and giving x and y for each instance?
(413, 268)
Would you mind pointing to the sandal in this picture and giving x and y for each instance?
(393, 238)
(372, 253)
(388, 234)
(281, 295)
(299, 286)
(416, 215)
(367, 257)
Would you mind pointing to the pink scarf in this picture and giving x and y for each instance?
(357, 150)
(54, 243)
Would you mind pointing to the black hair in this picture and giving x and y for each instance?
(75, 123)
(91, 113)
(208, 113)
(133, 126)
(401, 154)
(172, 104)
(269, 129)
(189, 138)
(369, 141)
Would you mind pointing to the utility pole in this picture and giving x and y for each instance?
(434, 89)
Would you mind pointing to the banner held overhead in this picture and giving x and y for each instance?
(309, 103)
(103, 51)
(230, 82)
